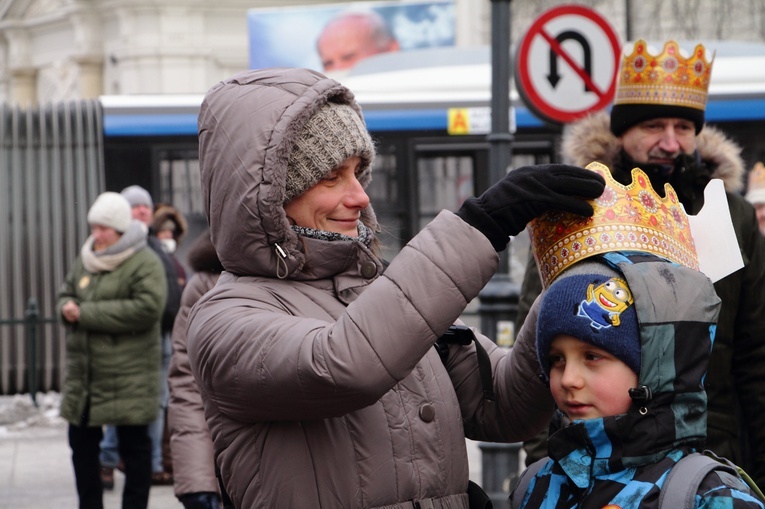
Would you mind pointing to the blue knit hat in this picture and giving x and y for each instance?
(596, 308)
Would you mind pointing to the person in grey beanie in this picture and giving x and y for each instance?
(111, 302)
(317, 369)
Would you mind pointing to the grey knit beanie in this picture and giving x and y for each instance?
(137, 195)
(112, 210)
(333, 134)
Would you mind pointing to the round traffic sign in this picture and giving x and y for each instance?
(566, 65)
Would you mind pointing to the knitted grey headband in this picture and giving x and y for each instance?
(333, 134)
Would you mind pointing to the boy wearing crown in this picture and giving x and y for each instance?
(657, 124)
(630, 396)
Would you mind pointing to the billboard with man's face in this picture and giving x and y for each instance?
(334, 37)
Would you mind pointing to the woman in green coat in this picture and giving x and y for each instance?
(112, 302)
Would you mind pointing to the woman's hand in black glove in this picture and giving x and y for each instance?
(527, 192)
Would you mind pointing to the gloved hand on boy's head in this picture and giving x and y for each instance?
(525, 193)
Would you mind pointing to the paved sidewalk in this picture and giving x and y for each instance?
(36, 468)
(35, 460)
(36, 473)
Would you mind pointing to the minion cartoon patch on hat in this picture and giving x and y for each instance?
(606, 302)
(596, 308)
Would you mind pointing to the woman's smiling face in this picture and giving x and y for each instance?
(334, 204)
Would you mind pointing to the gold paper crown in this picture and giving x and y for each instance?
(626, 218)
(667, 78)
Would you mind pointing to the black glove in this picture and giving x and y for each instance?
(525, 193)
(201, 500)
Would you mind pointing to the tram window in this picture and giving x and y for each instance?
(519, 250)
(444, 182)
(180, 181)
(389, 206)
(519, 160)
(384, 186)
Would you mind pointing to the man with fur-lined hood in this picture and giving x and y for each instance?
(671, 143)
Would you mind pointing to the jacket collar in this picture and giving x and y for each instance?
(584, 449)
(343, 266)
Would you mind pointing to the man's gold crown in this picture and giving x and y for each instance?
(626, 218)
(667, 78)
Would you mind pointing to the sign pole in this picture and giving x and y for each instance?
(499, 298)
(500, 139)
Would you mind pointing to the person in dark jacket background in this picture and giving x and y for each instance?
(194, 472)
(169, 226)
(671, 143)
(112, 301)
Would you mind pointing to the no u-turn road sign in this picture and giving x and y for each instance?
(566, 65)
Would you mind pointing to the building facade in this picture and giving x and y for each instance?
(53, 50)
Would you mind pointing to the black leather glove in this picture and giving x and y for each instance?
(201, 500)
(525, 193)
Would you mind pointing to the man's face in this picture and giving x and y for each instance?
(659, 140)
(143, 213)
(345, 42)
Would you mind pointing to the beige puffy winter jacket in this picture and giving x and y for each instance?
(322, 388)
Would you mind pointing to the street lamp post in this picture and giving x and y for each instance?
(499, 299)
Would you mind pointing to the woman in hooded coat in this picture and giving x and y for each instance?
(317, 370)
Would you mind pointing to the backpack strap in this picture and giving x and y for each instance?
(682, 484)
(463, 335)
(516, 497)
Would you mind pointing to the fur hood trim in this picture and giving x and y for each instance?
(590, 139)
(164, 212)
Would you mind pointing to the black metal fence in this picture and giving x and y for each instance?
(31, 323)
(51, 170)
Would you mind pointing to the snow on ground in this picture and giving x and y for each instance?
(18, 413)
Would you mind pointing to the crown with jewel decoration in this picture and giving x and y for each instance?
(663, 85)
(626, 218)
(667, 78)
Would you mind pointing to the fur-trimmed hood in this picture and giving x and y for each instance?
(164, 212)
(590, 139)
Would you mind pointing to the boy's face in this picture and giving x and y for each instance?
(588, 382)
